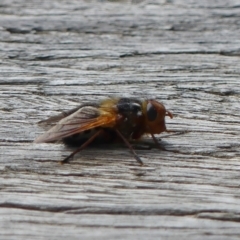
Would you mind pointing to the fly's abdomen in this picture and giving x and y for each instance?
(107, 136)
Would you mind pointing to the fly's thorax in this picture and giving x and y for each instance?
(131, 116)
(130, 107)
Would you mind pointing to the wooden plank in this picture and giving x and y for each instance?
(58, 54)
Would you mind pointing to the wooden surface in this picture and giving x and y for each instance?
(57, 54)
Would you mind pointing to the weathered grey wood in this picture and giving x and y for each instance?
(57, 54)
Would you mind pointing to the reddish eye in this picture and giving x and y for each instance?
(151, 112)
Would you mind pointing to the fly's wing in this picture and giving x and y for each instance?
(84, 118)
(50, 122)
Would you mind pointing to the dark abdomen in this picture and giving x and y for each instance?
(107, 137)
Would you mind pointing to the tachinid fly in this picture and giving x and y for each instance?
(111, 120)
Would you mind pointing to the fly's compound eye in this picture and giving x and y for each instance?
(151, 112)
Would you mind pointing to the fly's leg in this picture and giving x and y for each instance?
(157, 143)
(129, 146)
(67, 159)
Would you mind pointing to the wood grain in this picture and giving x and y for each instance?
(58, 54)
